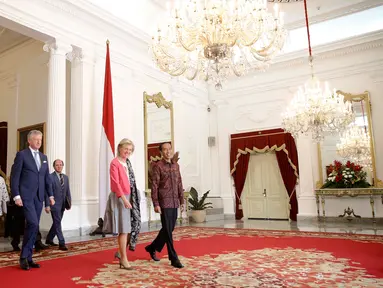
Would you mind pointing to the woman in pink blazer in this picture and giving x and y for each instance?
(119, 206)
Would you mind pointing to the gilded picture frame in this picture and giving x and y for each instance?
(365, 96)
(159, 100)
(22, 136)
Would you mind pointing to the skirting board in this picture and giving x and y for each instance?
(229, 216)
(334, 219)
(81, 231)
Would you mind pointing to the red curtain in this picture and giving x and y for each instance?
(153, 151)
(3, 146)
(239, 162)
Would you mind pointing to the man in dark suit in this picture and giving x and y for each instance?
(16, 225)
(61, 192)
(30, 181)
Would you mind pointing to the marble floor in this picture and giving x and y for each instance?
(302, 225)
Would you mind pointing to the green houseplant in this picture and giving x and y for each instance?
(198, 206)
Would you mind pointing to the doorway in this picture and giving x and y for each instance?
(264, 194)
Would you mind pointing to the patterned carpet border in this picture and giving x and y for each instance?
(180, 233)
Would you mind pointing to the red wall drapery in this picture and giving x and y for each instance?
(278, 140)
(3, 146)
(153, 151)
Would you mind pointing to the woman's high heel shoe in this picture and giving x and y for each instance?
(117, 256)
(125, 267)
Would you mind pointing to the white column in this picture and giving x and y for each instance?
(139, 84)
(13, 86)
(179, 134)
(213, 151)
(55, 138)
(308, 175)
(225, 179)
(76, 105)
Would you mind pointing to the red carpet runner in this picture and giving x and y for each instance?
(213, 257)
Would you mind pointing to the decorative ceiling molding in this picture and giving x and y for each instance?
(129, 38)
(284, 1)
(18, 47)
(341, 12)
(295, 80)
(332, 50)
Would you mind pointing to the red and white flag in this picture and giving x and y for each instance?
(107, 137)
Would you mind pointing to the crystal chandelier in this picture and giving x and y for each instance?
(217, 39)
(355, 146)
(316, 109)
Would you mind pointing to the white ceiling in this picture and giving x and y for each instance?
(318, 10)
(146, 14)
(10, 39)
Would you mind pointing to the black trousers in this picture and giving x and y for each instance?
(165, 236)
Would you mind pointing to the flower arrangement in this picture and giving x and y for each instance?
(347, 175)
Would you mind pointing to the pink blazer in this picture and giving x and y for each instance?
(119, 181)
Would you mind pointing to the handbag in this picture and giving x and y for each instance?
(68, 203)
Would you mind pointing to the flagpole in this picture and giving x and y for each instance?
(107, 141)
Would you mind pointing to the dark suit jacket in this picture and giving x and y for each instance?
(26, 180)
(59, 193)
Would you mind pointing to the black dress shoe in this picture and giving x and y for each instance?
(152, 253)
(177, 264)
(24, 264)
(33, 264)
(40, 246)
(63, 248)
(16, 248)
(51, 243)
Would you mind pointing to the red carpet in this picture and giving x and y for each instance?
(213, 257)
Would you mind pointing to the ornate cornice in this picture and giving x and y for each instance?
(75, 56)
(61, 5)
(332, 50)
(57, 47)
(341, 12)
(293, 80)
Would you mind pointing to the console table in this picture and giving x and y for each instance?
(148, 195)
(320, 195)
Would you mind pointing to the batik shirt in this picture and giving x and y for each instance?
(167, 190)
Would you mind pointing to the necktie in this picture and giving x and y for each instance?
(61, 181)
(37, 160)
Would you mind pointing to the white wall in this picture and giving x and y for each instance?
(23, 90)
(256, 103)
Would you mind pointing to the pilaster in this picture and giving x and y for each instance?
(56, 120)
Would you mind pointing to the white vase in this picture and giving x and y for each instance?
(198, 216)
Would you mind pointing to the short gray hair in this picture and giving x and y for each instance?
(124, 142)
(33, 133)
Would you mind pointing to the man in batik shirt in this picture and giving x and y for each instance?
(167, 196)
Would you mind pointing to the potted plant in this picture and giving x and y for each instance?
(198, 206)
(347, 175)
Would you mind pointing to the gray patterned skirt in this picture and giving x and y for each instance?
(117, 218)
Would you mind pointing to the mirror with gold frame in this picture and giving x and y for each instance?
(158, 128)
(327, 150)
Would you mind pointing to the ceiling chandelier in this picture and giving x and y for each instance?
(316, 109)
(218, 39)
(355, 146)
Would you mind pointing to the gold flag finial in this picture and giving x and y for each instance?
(107, 41)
